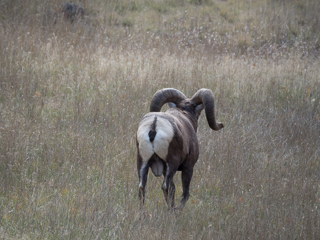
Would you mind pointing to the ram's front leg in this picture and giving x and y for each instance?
(186, 176)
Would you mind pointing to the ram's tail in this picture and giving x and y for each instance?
(152, 133)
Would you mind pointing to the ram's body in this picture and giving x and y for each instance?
(167, 142)
(173, 134)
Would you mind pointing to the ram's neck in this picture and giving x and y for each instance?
(193, 120)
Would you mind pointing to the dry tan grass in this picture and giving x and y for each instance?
(71, 96)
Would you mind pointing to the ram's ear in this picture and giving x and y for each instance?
(172, 105)
(199, 108)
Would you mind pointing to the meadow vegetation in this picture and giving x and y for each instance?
(72, 95)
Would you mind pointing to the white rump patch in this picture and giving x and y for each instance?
(145, 146)
(162, 139)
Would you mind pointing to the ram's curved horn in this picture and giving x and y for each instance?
(205, 96)
(165, 95)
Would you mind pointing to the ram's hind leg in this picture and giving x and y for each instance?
(143, 176)
(168, 186)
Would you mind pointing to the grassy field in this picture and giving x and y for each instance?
(72, 95)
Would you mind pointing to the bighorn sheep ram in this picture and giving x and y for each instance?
(167, 141)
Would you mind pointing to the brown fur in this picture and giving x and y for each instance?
(183, 150)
